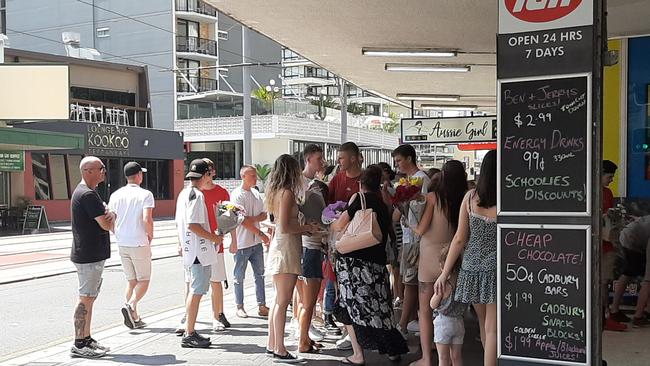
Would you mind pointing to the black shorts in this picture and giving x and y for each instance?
(634, 263)
(312, 263)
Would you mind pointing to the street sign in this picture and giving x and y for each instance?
(452, 130)
(12, 161)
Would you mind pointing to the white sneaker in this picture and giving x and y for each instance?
(315, 334)
(218, 326)
(397, 304)
(413, 326)
(344, 344)
(86, 352)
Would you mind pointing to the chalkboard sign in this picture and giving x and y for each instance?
(35, 219)
(544, 293)
(545, 144)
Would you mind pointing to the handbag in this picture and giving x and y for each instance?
(362, 232)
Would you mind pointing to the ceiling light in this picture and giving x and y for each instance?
(432, 107)
(430, 97)
(408, 52)
(427, 68)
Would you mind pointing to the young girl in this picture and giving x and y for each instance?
(449, 327)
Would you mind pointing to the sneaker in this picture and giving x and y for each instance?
(218, 326)
(615, 326)
(413, 326)
(94, 344)
(331, 326)
(86, 352)
(180, 330)
(139, 324)
(315, 334)
(223, 320)
(194, 341)
(344, 344)
(288, 358)
(404, 333)
(640, 322)
(397, 304)
(619, 317)
(128, 317)
(241, 313)
(263, 310)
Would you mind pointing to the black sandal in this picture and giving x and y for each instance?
(346, 361)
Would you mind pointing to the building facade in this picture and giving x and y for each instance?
(109, 108)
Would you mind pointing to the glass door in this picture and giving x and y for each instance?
(5, 190)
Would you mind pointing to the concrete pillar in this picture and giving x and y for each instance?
(246, 92)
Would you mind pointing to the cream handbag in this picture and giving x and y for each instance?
(362, 232)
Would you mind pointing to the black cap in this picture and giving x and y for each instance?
(133, 168)
(609, 167)
(198, 167)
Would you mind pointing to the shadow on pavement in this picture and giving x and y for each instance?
(137, 359)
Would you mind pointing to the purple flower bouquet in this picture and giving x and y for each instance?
(333, 212)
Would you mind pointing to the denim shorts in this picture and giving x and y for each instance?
(312, 263)
(90, 278)
(448, 329)
(199, 279)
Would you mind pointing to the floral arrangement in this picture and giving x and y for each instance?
(229, 216)
(407, 189)
(333, 212)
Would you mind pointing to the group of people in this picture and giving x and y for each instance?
(361, 289)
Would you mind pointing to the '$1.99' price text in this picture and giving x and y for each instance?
(511, 300)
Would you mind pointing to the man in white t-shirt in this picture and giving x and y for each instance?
(198, 246)
(248, 246)
(134, 232)
(405, 160)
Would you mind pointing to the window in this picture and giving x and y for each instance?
(74, 175)
(227, 157)
(3, 17)
(187, 28)
(41, 176)
(222, 35)
(156, 179)
(103, 32)
(291, 72)
(58, 177)
(288, 55)
(100, 95)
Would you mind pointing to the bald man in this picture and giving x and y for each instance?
(91, 222)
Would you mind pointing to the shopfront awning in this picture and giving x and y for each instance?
(23, 139)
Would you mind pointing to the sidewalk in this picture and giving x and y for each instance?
(25, 257)
(242, 345)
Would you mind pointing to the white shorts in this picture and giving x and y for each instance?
(218, 270)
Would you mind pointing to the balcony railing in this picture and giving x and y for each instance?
(194, 6)
(88, 111)
(196, 45)
(200, 84)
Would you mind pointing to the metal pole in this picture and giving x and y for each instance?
(246, 95)
(412, 108)
(344, 111)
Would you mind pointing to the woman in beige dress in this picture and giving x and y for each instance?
(283, 190)
(437, 228)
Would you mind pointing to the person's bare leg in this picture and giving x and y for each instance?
(217, 299)
(357, 355)
(192, 311)
(619, 289)
(309, 296)
(490, 351)
(426, 323)
(130, 286)
(480, 314)
(83, 316)
(284, 283)
(410, 305)
(297, 300)
(270, 343)
(139, 291)
(457, 354)
(444, 354)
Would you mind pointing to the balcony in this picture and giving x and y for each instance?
(196, 48)
(112, 114)
(196, 10)
(200, 84)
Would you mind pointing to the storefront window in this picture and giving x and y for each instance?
(227, 157)
(74, 175)
(58, 177)
(638, 167)
(156, 179)
(41, 176)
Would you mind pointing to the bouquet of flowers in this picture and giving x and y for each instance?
(333, 212)
(409, 200)
(312, 204)
(229, 216)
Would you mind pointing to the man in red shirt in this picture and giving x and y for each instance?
(608, 258)
(346, 182)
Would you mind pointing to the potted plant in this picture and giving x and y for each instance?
(263, 172)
